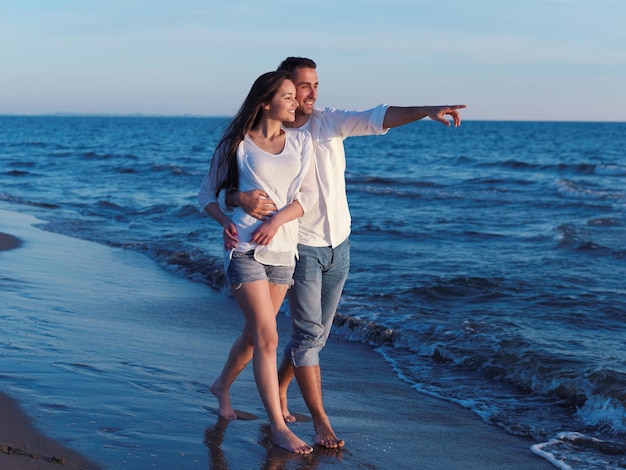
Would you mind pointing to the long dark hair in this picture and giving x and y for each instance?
(263, 90)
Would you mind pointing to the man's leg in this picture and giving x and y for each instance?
(309, 380)
(306, 315)
(285, 376)
(313, 302)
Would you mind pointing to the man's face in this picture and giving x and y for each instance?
(305, 79)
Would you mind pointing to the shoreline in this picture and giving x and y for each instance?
(23, 447)
(385, 422)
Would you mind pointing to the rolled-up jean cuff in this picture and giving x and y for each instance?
(305, 357)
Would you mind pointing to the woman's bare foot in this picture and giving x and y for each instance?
(325, 437)
(289, 441)
(223, 397)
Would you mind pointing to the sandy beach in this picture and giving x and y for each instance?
(132, 350)
(22, 446)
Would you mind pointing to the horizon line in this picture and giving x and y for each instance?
(205, 116)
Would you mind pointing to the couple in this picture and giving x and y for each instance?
(280, 165)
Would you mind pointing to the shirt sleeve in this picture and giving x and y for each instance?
(359, 123)
(211, 181)
(308, 194)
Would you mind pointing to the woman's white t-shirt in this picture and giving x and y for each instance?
(285, 177)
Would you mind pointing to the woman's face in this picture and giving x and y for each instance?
(283, 105)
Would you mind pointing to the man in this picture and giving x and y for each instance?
(324, 247)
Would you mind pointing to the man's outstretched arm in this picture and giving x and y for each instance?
(400, 115)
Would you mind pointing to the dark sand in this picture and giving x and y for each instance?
(386, 424)
(9, 242)
(23, 447)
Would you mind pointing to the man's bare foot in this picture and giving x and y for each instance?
(285, 376)
(288, 417)
(325, 437)
(289, 441)
(223, 397)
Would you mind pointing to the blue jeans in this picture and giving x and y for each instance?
(320, 275)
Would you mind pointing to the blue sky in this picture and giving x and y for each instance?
(505, 59)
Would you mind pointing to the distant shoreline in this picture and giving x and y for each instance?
(113, 115)
(224, 116)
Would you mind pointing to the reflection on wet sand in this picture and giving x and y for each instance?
(276, 458)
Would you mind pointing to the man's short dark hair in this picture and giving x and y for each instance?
(290, 64)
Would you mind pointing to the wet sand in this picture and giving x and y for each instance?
(23, 447)
(386, 424)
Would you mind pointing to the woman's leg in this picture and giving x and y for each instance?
(258, 303)
(239, 356)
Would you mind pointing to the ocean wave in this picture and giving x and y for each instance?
(382, 181)
(356, 329)
(525, 165)
(466, 288)
(578, 238)
(126, 170)
(22, 164)
(54, 146)
(604, 412)
(581, 190)
(583, 169)
(498, 354)
(18, 200)
(606, 222)
(186, 210)
(195, 265)
(610, 169)
(172, 169)
(91, 155)
(582, 451)
(381, 186)
(17, 173)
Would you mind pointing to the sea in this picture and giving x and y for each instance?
(488, 261)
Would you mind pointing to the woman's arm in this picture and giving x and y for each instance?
(306, 197)
(230, 230)
(265, 233)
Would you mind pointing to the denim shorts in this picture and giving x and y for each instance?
(244, 268)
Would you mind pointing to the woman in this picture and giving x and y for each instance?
(257, 152)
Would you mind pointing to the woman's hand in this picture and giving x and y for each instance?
(266, 232)
(230, 236)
